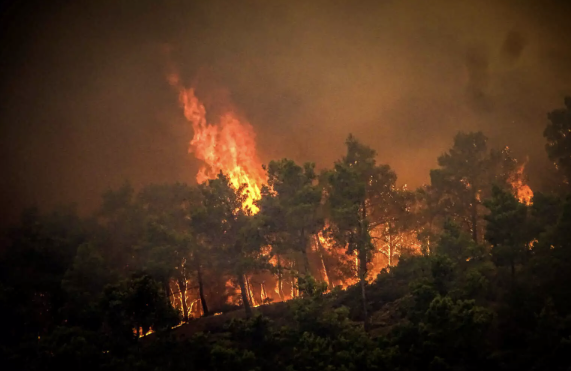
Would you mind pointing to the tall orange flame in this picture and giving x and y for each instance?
(521, 190)
(228, 146)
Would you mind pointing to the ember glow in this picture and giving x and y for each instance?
(228, 146)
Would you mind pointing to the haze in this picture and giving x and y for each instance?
(86, 105)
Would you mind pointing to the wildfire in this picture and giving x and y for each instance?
(521, 190)
(228, 146)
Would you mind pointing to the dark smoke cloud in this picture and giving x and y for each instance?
(513, 46)
(477, 65)
(85, 103)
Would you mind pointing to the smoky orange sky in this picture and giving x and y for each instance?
(86, 105)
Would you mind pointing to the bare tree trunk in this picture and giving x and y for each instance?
(363, 281)
(182, 288)
(293, 291)
(325, 267)
(244, 293)
(430, 229)
(390, 247)
(201, 289)
(305, 262)
(474, 219)
(250, 292)
(263, 293)
(304, 252)
(362, 254)
(280, 286)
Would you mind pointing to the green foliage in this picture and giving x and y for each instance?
(423, 292)
(322, 338)
(356, 187)
(455, 330)
(475, 284)
(227, 359)
(232, 234)
(442, 269)
(308, 286)
(544, 212)
(136, 303)
(465, 177)
(77, 293)
(70, 348)
(83, 283)
(456, 244)
(38, 253)
(558, 145)
(507, 229)
(290, 204)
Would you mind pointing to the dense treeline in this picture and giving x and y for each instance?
(476, 272)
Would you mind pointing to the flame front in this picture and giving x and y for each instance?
(228, 146)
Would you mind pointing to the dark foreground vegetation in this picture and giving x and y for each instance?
(486, 286)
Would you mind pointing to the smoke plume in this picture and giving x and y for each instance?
(85, 103)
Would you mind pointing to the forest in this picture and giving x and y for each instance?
(330, 269)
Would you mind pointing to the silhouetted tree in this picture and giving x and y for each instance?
(465, 178)
(290, 209)
(356, 188)
(38, 254)
(558, 135)
(138, 303)
(232, 233)
(507, 229)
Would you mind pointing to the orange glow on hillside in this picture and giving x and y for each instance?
(228, 146)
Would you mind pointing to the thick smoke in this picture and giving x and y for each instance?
(513, 46)
(86, 104)
(477, 66)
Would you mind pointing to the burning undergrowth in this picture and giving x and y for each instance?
(227, 144)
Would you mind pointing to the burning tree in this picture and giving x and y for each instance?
(228, 146)
(465, 178)
(357, 186)
(290, 208)
(394, 225)
(231, 232)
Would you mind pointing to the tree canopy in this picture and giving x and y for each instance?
(460, 274)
